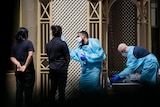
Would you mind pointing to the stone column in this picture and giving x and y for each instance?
(28, 16)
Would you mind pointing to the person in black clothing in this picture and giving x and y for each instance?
(59, 58)
(22, 57)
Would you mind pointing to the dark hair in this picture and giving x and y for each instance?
(56, 30)
(22, 33)
(84, 33)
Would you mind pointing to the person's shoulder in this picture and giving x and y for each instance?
(27, 40)
(139, 48)
(93, 39)
(131, 46)
(64, 43)
(96, 40)
(58, 41)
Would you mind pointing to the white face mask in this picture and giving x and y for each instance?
(79, 39)
(124, 54)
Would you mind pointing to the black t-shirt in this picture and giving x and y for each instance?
(57, 50)
(20, 52)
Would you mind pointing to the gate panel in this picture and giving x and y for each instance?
(122, 28)
(43, 37)
(72, 16)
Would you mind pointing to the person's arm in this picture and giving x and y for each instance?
(16, 62)
(131, 65)
(97, 52)
(74, 55)
(66, 52)
(28, 60)
(67, 59)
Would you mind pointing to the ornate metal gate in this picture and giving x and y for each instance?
(111, 21)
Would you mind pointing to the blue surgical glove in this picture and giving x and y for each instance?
(115, 78)
(83, 57)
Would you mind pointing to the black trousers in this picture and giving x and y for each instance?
(58, 82)
(24, 85)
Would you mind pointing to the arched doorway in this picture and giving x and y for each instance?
(129, 22)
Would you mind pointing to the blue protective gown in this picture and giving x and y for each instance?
(90, 76)
(148, 65)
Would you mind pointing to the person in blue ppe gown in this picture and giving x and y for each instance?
(90, 54)
(138, 58)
